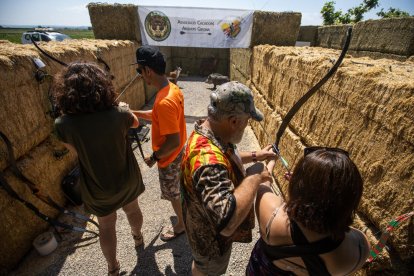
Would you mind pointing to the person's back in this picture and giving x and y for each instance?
(92, 125)
(310, 233)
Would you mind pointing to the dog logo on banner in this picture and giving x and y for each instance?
(157, 25)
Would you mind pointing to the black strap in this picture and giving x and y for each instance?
(36, 211)
(46, 54)
(311, 91)
(43, 197)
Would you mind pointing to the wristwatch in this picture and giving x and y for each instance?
(153, 157)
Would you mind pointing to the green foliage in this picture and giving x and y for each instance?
(392, 12)
(353, 15)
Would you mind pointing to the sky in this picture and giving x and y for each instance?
(75, 12)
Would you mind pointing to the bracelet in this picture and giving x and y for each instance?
(154, 157)
(254, 157)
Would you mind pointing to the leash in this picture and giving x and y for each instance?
(43, 197)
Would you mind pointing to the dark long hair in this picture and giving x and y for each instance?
(83, 88)
(324, 192)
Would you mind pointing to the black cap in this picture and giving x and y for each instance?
(151, 57)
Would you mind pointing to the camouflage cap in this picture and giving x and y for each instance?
(234, 98)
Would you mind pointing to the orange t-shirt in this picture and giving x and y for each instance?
(168, 118)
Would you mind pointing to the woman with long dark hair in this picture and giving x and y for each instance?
(310, 233)
(93, 125)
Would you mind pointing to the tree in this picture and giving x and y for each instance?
(356, 14)
(392, 12)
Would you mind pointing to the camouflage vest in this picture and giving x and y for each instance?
(201, 151)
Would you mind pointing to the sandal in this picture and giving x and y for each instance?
(170, 234)
(139, 240)
(115, 271)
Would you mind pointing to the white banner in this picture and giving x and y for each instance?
(195, 27)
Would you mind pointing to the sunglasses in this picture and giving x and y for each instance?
(312, 149)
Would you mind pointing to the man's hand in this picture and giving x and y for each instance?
(149, 161)
(266, 154)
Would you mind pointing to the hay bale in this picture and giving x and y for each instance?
(240, 59)
(332, 36)
(308, 33)
(385, 38)
(20, 225)
(367, 108)
(25, 102)
(275, 28)
(390, 36)
(115, 21)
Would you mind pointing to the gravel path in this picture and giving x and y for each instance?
(81, 254)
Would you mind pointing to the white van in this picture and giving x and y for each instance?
(38, 35)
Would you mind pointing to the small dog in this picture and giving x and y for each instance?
(174, 75)
(217, 79)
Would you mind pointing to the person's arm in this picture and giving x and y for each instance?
(135, 122)
(172, 142)
(244, 196)
(261, 155)
(143, 114)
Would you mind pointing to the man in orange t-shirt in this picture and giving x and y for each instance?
(168, 132)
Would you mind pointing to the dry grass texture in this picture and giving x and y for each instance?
(275, 28)
(385, 38)
(115, 21)
(366, 108)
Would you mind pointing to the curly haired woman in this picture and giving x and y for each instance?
(310, 233)
(93, 125)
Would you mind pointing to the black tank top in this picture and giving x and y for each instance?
(309, 252)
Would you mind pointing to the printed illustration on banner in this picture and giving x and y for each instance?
(231, 27)
(157, 25)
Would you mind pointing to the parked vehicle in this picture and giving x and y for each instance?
(43, 35)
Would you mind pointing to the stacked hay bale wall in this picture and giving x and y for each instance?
(25, 121)
(115, 21)
(200, 61)
(366, 108)
(391, 38)
(275, 28)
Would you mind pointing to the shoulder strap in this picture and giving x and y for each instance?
(269, 223)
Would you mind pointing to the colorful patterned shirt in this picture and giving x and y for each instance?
(210, 172)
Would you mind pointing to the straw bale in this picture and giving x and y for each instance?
(240, 58)
(366, 108)
(167, 52)
(332, 36)
(390, 36)
(377, 55)
(24, 101)
(236, 75)
(20, 225)
(115, 21)
(275, 28)
(308, 33)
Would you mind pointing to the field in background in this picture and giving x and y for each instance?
(15, 34)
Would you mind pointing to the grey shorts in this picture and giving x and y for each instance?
(212, 266)
(170, 179)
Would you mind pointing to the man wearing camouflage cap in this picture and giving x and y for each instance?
(217, 191)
